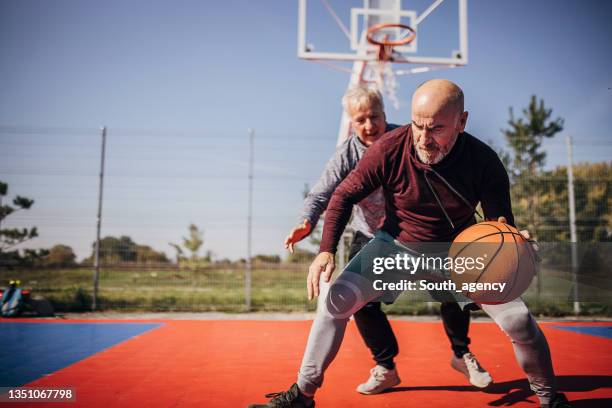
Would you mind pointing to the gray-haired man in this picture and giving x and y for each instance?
(366, 111)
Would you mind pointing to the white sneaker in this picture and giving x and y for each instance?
(381, 379)
(471, 368)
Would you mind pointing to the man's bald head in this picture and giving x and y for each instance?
(437, 119)
(437, 95)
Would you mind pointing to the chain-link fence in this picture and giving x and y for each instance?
(175, 210)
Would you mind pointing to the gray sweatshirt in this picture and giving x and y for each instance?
(369, 213)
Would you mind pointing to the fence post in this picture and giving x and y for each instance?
(572, 222)
(249, 266)
(96, 276)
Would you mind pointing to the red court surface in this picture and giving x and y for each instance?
(220, 363)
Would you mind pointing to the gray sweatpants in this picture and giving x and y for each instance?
(351, 291)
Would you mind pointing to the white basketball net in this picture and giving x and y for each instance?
(386, 82)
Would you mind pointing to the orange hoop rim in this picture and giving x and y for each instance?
(385, 43)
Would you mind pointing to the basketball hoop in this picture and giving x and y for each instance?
(385, 43)
(379, 35)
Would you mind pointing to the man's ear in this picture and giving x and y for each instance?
(462, 121)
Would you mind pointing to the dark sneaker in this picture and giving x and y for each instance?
(558, 401)
(287, 399)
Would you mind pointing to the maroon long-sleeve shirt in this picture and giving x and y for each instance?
(412, 212)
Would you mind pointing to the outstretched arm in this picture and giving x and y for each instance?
(367, 177)
(317, 199)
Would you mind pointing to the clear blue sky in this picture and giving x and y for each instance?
(179, 83)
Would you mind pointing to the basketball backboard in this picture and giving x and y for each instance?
(335, 30)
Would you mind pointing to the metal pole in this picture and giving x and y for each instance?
(572, 221)
(249, 265)
(96, 276)
(1, 206)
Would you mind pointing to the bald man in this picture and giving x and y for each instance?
(433, 176)
(365, 108)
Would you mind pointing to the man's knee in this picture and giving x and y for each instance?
(520, 327)
(344, 299)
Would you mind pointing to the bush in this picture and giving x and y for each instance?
(60, 256)
(301, 256)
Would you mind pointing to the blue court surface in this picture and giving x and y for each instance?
(32, 350)
(600, 331)
(196, 363)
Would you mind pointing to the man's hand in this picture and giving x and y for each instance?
(297, 234)
(526, 235)
(322, 266)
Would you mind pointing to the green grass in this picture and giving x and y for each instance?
(275, 288)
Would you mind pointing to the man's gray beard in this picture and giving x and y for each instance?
(433, 158)
(427, 158)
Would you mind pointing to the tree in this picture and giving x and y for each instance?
(525, 136)
(266, 259)
(114, 250)
(593, 198)
(180, 255)
(60, 256)
(191, 243)
(11, 237)
(147, 255)
(125, 250)
(194, 241)
(29, 257)
(300, 255)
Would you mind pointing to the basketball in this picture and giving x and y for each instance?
(492, 262)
